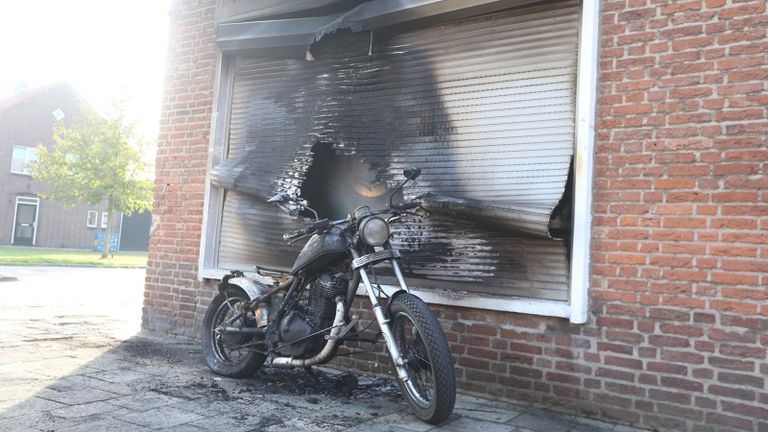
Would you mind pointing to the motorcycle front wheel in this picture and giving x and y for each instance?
(225, 353)
(431, 387)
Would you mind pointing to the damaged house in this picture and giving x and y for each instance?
(638, 307)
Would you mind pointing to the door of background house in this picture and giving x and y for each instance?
(25, 222)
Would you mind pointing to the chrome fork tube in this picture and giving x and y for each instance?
(399, 275)
(386, 330)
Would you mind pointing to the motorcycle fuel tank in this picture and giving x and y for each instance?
(320, 250)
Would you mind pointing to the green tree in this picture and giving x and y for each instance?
(96, 159)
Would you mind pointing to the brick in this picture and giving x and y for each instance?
(670, 396)
(733, 350)
(615, 374)
(669, 314)
(731, 392)
(482, 330)
(750, 411)
(682, 383)
(741, 379)
(732, 364)
(667, 368)
(680, 412)
(728, 420)
(745, 322)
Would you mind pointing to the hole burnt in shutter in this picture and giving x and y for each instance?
(485, 106)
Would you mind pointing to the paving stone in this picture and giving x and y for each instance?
(590, 425)
(76, 397)
(28, 406)
(542, 422)
(234, 423)
(162, 417)
(403, 421)
(37, 421)
(106, 425)
(185, 428)
(16, 375)
(377, 407)
(342, 416)
(144, 401)
(488, 413)
(83, 410)
(302, 424)
(622, 428)
(466, 424)
(367, 427)
(309, 403)
(118, 376)
(75, 382)
(66, 367)
(470, 403)
(13, 427)
(257, 407)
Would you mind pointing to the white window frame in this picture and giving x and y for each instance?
(95, 215)
(575, 309)
(26, 159)
(104, 220)
(29, 201)
(58, 114)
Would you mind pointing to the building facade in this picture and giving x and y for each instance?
(26, 122)
(609, 159)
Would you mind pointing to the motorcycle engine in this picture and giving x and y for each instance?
(318, 315)
(322, 298)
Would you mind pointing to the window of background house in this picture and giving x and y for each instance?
(22, 156)
(58, 114)
(104, 219)
(92, 220)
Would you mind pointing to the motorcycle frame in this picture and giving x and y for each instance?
(360, 265)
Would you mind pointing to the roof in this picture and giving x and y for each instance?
(18, 99)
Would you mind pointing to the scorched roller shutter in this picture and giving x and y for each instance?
(484, 105)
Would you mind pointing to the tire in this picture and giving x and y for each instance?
(215, 348)
(409, 314)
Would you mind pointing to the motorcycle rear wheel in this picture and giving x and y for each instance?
(221, 352)
(431, 389)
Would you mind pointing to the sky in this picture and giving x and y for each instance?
(106, 49)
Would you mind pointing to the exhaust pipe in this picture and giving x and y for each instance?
(338, 325)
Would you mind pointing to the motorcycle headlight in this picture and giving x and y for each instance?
(374, 231)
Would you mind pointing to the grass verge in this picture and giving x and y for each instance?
(16, 255)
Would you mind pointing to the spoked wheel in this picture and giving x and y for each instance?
(431, 387)
(229, 354)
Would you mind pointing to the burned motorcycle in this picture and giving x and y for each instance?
(302, 317)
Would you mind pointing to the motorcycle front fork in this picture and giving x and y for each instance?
(384, 322)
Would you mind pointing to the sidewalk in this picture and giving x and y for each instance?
(78, 367)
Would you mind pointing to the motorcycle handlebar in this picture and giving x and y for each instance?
(307, 230)
(407, 205)
(325, 223)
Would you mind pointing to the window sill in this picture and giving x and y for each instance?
(551, 308)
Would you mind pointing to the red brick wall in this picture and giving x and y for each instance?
(173, 293)
(678, 334)
(680, 250)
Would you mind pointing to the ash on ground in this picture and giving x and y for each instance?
(314, 385)
(321, 383)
